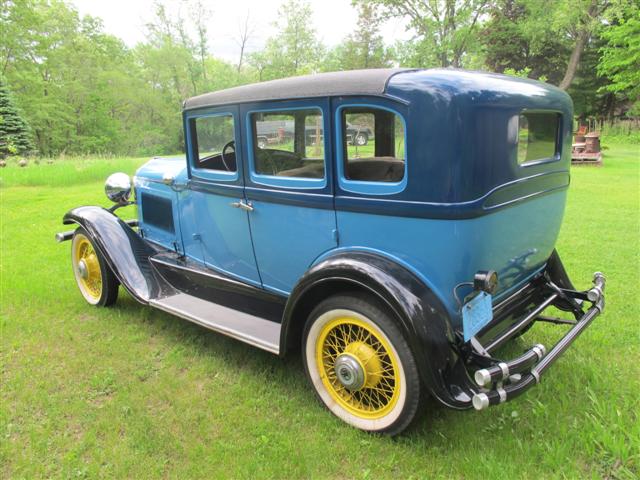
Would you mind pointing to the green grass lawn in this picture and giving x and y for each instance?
(131, 392)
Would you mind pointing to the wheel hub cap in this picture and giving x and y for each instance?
(350, 372)
(83, 271)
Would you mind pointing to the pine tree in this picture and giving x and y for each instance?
(15, 134)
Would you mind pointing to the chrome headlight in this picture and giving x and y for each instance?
(118, 188)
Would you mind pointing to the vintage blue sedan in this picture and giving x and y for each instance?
(398, 265)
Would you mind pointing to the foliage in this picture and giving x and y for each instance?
(446, 28)
(294, 50)
(620, 61)
(542, 39)
(83, 91)
(15, 134)
(365, 47)
(511, 42)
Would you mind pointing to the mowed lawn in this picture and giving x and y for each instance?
(130, 392)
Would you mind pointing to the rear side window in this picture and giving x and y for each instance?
(374, 145)
(213, 142)
(537, 136)
(289, 143)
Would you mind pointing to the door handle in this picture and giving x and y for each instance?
(246, 206)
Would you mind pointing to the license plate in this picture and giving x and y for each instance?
(476, 313)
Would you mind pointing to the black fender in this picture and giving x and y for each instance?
(126, 253)
(419, 312)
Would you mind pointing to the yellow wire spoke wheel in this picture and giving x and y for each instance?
(98, 287)
(355, 366)
(358, 367)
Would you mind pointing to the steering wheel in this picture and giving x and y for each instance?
(227, 146)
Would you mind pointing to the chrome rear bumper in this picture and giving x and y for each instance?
(502, 381)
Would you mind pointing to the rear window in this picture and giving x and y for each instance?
(374, 145)
(537, 136)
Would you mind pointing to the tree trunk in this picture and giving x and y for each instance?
(241, 57)
(574, 60)
(581, 41)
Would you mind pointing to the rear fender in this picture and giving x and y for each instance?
(125, 252)
(420, 314)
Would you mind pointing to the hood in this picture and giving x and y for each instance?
(159, 167)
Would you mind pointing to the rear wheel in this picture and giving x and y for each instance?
(97, 283)
(360, 365)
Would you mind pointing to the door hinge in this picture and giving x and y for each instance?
(336, 235)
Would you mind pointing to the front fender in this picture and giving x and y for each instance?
(126, 253)
(419, 312)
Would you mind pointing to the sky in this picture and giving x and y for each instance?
(332, 19)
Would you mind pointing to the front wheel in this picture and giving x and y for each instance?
(360, 365)
(96, 281)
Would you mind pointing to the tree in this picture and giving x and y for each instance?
(294, 50)
(584, 17)
(447, 29)
(245, 32)
(15, 134)
(620, 56)
(512, 41)
(365, 47)
(546, 37)
(199, 14)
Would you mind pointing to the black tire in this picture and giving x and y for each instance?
(100, 293)
(400, 381)
(361, 139)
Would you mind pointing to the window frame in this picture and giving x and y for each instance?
(366, 186)
(557, 155)
(193, 156)
(275, 180)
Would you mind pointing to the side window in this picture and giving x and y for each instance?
(289, 143)
(213, 143)
(374, 145)
(537, 136)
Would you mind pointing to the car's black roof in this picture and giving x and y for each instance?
(353, 82)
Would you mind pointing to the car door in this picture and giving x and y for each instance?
(288, 186)
(215, 227)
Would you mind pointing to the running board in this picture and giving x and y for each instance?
(250, 329)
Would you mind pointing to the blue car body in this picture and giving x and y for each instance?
(465, 204)
(249, 251)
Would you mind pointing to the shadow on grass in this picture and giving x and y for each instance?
(283, 375)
